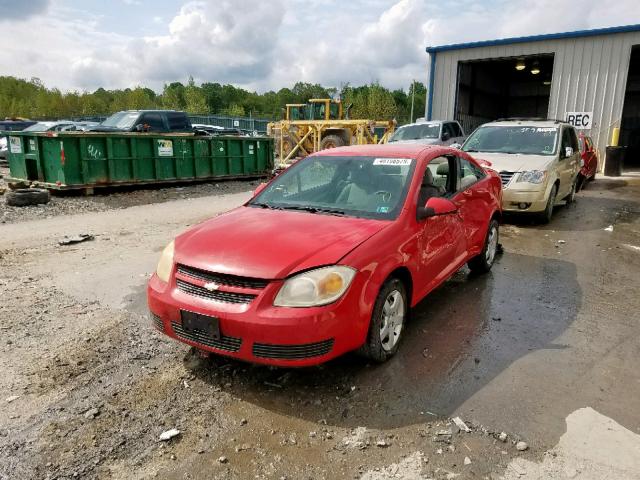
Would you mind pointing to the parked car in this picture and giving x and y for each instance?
(4, 150)
(86, 126)
(161, 121)
(538, 161)
(15, 125)
(206, 129)
(590, 158)
(55, 126)
(329, 256)
(429, 133)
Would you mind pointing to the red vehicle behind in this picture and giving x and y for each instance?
(329, 256)
(590, 158)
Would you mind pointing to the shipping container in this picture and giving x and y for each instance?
(83, 160)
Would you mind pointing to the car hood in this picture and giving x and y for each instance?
(514, 162)
(271, 244)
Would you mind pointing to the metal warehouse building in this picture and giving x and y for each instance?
(589, 77)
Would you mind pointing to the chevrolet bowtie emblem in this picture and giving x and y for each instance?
(211, 286)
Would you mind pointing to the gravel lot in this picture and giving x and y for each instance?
(88, 385)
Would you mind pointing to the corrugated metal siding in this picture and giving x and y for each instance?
(589, 74)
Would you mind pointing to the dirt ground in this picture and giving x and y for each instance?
(88, 386)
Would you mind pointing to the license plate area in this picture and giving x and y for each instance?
(196, 322)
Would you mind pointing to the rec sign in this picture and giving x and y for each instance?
(580, 120)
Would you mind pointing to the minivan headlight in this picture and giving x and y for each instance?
(163, 271)
(532, 176)
(315, 287)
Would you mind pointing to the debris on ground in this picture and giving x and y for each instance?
(609, 228)
(169, 434)
(460, 424)
(502, 437)
(83, 237)
(91, 413)
(467, 461)
(522, 446)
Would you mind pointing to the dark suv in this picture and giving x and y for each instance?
(146, 121)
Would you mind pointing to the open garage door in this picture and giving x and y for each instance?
(503, 88)
(630, 125)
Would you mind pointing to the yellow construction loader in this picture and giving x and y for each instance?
(322, 123)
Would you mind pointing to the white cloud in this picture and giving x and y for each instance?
(270, 44)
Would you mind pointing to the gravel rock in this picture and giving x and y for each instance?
(169, 434)
(502, 437)
(91, 413)
(522, 446)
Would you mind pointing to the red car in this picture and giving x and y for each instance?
(590, 158)
(329, 256)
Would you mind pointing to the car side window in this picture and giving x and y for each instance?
(447, 129)
(438, 179)
(573, 138)
(457, 131)
(153, 120)
(468, 174)
(566, 141)
(177, 121)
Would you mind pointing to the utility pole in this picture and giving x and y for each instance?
(413, 97)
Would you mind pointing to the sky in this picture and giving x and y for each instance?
(265, 44)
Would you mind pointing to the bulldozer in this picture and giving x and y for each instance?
(322, 123)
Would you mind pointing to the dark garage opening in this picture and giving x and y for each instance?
(630, 125)
(503, 88)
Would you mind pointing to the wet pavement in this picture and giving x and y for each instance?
(553, 328)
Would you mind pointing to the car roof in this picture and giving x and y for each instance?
(525, 122)
(404, 150)
(428, 122)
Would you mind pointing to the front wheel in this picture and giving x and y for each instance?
(483, 262)
(547, 213)
(387, 322)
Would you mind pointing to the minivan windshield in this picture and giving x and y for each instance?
(528, 140)
(121, 120)
(416, 132)
(369, 187)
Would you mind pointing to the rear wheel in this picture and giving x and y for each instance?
(331, 141)
(387, 322)
(547, 213)
(483, 262)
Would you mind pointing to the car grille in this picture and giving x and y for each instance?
(506, 177)
(157, 321)
(218, 295)
(223, 279)
(292, 352)
(229, 344)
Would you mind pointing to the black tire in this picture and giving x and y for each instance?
(483, 262)
(27, 196)
(374, 348)
(572, 194)
(581, 182)
(331, 141)
(547, 213)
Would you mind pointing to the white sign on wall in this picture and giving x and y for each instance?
(165, 148)
(580, 120)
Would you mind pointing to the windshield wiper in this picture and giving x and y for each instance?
(265, 205)
(313, 209)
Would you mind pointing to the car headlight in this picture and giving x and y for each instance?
(533, 176)
(315, 287)
(163, 271)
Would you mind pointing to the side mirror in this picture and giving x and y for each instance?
(484, 163)
(568, 151)
(259, 188)
(456, 145)
(436, 206)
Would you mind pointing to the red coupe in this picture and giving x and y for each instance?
(329, 256)
(590, 160)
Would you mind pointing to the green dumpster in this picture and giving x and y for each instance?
(84, 160)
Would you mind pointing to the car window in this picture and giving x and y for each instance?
(370, 187)
(569, 139)
(439, 169)
(468, 174)
(457, 131)
(416, 132)
(153, 120)
(177, 121)
(589, 143)
(573, 137)
(447, 128)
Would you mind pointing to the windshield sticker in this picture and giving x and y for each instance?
(546, 129)
(392, 161)
(15, 144)
(382, 210)
(165, 148)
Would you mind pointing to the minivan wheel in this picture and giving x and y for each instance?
(547, 213)
(387, 322)
(572, 194)
(483, 262)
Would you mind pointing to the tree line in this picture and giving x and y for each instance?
(32, 99)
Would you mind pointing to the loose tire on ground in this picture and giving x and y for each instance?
(483, 262)
(375, 348)
(331, 141)
(547, 213)
(27, 196)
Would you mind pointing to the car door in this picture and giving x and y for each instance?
(473, 199)
(566, 164)
(441, 238)
(458, 135)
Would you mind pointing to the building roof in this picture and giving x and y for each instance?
(537, 38)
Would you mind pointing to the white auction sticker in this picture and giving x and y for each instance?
(546, 129)
(392, 161)
(15, 144)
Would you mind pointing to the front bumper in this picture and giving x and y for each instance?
(514, 199)
(257, 331)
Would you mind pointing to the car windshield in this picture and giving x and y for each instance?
(513, 139)
(121, 120)
(40, 127)
(416, 132)
(369, 187)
